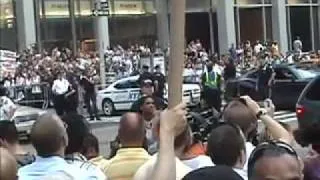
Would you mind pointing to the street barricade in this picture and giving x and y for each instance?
(35, 95)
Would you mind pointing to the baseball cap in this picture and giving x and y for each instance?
(213, 173)
(147, 82)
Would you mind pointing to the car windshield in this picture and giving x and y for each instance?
(304, 74)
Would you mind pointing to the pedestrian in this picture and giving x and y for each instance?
(60, 88)
(77, 130)
(9, 139)
(49, 138)
(132, 154)
(8, 165)
(145, 75)
(274, 159)
(266, 77)
(210, 81)
(87, 82)
(159, 82)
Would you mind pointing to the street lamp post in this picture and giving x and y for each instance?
(176, 61)
(101, 12)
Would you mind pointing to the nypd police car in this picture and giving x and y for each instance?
(120, 95)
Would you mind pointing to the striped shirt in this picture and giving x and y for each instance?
(126, 162)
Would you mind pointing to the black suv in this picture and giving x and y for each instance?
(308, 105)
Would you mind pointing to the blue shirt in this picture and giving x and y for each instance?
(51, 165)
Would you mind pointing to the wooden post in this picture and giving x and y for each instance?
(177, 46)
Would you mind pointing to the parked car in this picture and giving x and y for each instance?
(24, 118)
(289, 83)
(308, 105)
(120, 95)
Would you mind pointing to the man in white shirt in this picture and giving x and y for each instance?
(59, 88)
(49, 137)
(7, 107)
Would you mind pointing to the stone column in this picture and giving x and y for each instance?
(162, 23)
(226, 25)
(279, 24)
(25, 23)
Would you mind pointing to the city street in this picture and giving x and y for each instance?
(106, 130)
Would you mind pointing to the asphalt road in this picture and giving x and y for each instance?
(106, 130)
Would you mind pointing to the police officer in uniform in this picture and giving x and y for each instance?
(266, 76)
(159, 82)
(60, 88)
(211, 82)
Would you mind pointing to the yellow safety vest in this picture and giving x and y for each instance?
(212, 83)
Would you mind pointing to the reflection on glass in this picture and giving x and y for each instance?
(300, 26)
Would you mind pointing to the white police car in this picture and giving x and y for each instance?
(121, 94)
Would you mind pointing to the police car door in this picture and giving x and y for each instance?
(120, 96)
(282, 90)
(134, 91)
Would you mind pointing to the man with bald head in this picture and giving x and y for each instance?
(131, 155)
(8, 165)
(49, 138)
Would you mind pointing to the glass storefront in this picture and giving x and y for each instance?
(8, 34)
(130, 21)
(303, 22)
(253, 20)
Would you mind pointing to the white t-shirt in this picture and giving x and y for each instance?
(6, 105)
(249, 148)
(198, 162)
(60, 86)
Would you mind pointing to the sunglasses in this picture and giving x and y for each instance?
(259, 151)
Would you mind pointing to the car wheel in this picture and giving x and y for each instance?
(108, 107)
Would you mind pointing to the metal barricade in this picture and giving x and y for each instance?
(35, 95)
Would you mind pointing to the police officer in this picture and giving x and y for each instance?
(159, 82)
(211, 81)
(88, 83)
(266, 76)
(145, 75)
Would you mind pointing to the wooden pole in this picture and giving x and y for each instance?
(176, 61)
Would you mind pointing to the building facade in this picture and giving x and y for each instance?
(217, 23)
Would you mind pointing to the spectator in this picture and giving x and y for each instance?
(9, 140)
(7, 107)
(49, 138)
(244, 113)
(78, 130)
(60, 88)
(131, 155)
(159, 82)
(145, 75)
(91, 151)
(183, 144)
(274, 159)
(90, 95)
(226, 146)
(8, 165)
(212, 173)
(165, 165)
(145, 171)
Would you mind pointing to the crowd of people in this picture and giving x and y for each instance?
(154, 143)
(159, 144)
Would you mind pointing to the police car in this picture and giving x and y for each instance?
(120, 95)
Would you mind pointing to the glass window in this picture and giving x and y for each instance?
(304, 74)
(127, 84)
(297, 1)
(8, 35)
(316, 27)
(300, 26)
(283, 74)
(246, 2)
(313, 92)
(251, 24)
(268, 11)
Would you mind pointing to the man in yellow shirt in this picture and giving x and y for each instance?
(131, 155)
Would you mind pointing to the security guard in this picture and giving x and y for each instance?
(211, 81)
